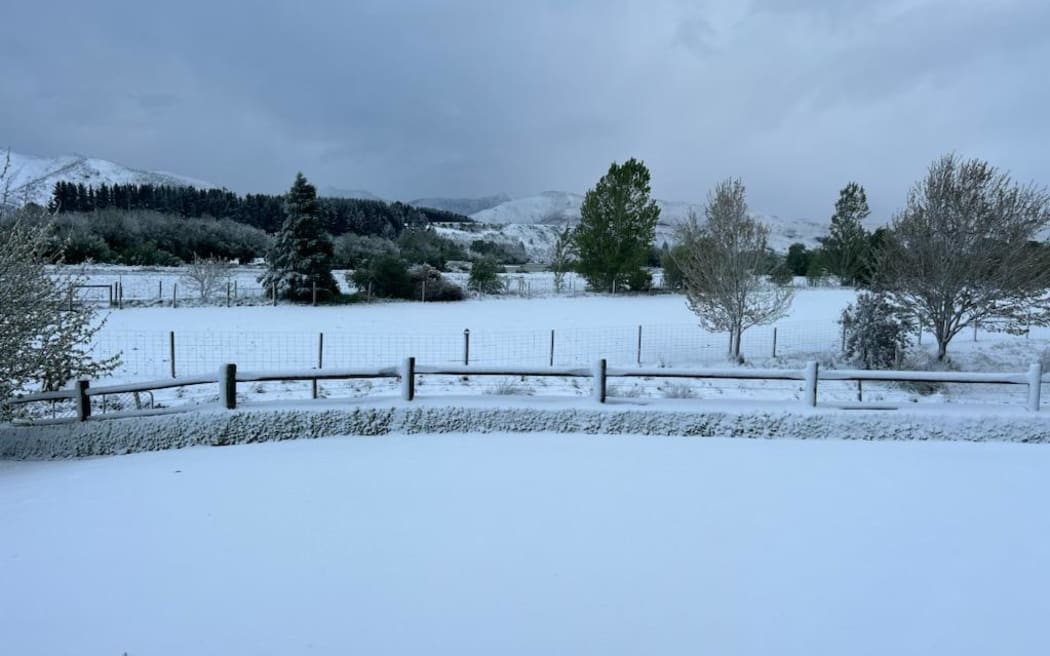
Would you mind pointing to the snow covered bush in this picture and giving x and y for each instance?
(43, 338)
(429, 285)
(876, 335)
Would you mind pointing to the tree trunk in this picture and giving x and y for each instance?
(942, 349)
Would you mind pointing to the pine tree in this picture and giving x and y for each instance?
(846, 246)
(301, 256)
(617, 226)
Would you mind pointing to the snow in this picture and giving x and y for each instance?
(32, 178)
(436, 411)
(530, 544)
(559, 207)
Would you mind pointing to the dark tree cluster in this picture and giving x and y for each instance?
(339, 215)
(143, 237)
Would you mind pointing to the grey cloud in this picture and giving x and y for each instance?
(468, 97)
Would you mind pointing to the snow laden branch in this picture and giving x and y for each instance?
(965, 250)
(207, 275)
(722, 261)
(43, 341)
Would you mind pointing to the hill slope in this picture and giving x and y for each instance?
(30, 179)
(559, 207)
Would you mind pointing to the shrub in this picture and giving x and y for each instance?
(484, 276)
(876, 335)
(425, 246)
(388, 276)
(429, 285)
(353, 251)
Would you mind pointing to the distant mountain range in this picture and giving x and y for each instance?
(31, 179)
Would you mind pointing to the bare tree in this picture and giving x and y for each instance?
(5, 182)
(964, 250)
(207, 275)
(722, 262)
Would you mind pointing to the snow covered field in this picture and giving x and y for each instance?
(530, 544)
(517, 331)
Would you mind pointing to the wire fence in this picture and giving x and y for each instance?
(187, 353)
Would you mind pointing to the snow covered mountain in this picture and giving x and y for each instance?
(31, 179)
(560, 207)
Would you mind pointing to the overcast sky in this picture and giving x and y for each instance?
(465, 98)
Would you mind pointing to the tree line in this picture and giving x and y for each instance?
(263, 211)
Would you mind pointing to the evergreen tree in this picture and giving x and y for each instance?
(617, 226)
(876, 333)
(301, 256)
(484, 276)
(846, 246)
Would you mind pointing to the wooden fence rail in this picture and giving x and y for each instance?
(229, 377)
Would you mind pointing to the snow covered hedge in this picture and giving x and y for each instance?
(221, 427)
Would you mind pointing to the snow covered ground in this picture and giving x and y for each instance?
(530, 544)
(517, 331)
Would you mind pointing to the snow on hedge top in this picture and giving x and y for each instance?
(32, 178)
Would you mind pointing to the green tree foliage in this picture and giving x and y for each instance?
(798, 257)
(353, 251)
(426, 246)
(674, 279)
(429, 285)
(301, 257)
(846, 245)
(876, 334)
(386, 275)
(341, 215)
(617, 225)
(484, 276)
(142, 237)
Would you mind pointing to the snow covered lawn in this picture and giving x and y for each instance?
(530, 544)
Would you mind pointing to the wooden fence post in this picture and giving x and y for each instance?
(639, 358)
(774, 341)
(599, 377)
(314, 391)
(466, 346)
(810, 395)
(1035, 385)
(174, 296)
(171, 351)
(315, 293)
(552, 347)
(228, 385)
(83, 400)
(229, 289)
(408, 379)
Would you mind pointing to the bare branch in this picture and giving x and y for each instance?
(964, 250)
(721, 264)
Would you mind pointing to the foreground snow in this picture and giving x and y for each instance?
(535, 544)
